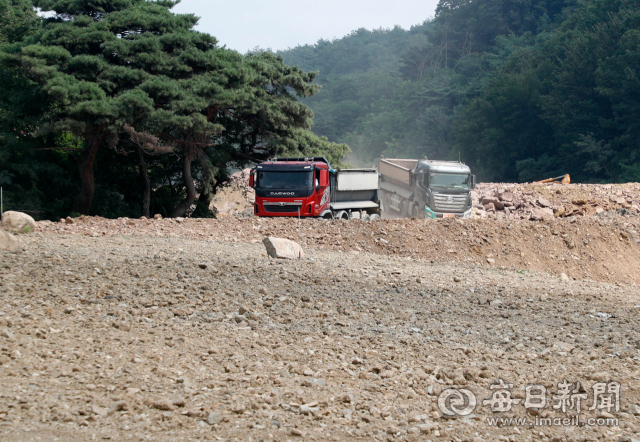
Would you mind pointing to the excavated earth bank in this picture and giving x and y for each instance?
(185, 330)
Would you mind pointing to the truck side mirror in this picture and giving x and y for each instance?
(324, 178)
(252, 179)
(473, 181)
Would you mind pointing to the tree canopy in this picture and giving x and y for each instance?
(133, 77)
(520, 90)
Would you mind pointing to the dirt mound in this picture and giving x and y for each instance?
(163, 339)
(184, 329)
(539, 201)
(235, 196)
(599, 247)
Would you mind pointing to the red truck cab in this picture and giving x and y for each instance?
(292, 187)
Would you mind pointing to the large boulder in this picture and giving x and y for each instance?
(18, 222)
(283, 248)
(506, 197)
(8, 242)
(497, 204)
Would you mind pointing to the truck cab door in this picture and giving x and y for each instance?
(324, 178)
(323, 190)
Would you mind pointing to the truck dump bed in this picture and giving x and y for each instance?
(352, 188)
(397, 169)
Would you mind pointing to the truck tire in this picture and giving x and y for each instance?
(416, 212)
(341, 214)
(374, 217)
(365, 217)
(326, 215)
(410, 207)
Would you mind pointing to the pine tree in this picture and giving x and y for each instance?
(134, 63)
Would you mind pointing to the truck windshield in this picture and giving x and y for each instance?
(450, 180)
(285, 180)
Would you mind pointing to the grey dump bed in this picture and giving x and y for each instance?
(397, 169)
(354, 188)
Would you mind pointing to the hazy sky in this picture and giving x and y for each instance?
(279, 24)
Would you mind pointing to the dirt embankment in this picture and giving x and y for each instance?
(603, 247)
(145, 338)
(540, 201)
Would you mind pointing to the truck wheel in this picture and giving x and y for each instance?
(410, 207)
(365, 217)
(415, 212)
(341, 215)
(374, 217)
(403, 209)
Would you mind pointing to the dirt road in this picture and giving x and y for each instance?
(140, 335)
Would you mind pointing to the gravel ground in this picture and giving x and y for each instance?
(600, 247)
(137, 336)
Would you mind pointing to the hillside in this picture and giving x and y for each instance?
(519, 90)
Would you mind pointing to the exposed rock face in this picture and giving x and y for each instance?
(283, 248)
(539, 202)
(235, 196)
(8, 242)
(18, 222)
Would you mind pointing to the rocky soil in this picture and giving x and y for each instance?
(539, 201)
(149, 338)
(236, 196)
(601, 247)
(185, 330)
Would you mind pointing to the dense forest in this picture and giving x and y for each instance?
(518, 89)
(121, 108)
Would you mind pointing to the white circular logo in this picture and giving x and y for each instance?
(457, 402)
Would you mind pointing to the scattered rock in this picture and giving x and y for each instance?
(283, 248)
(18, 222)
(543, 202)
(163, 404)
(214, 418)
(8, 242)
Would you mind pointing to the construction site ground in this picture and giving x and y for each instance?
(184, 329)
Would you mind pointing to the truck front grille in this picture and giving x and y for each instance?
(286, 208)
(449, 203)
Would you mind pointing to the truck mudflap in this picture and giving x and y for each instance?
(428, 213)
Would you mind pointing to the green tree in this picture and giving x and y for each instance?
(566, 105)
(134, 66)
(18, 19)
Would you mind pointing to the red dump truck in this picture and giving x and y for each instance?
(309, 187)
